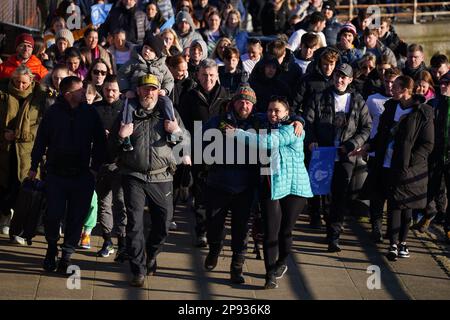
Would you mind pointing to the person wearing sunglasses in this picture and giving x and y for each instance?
(97, 74)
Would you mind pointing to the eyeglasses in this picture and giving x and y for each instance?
(98, 72)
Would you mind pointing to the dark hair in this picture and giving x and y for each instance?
(253, 41)
(228, 53)
(60, 66)
(310, 40)
(392, 72)
(93, 64)
(371, 31)
(111, 78)
(67, 84)
(406, 82)
(437, 60)
(38, 44)
(276, 48)
(280, 99)
(88, 31)
(117, 31)
(73, 52)
(176, 60)
(316, 17)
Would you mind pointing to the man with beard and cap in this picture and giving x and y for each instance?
(185, 29)
(147, 173)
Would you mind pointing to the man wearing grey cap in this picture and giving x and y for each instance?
(338, 117)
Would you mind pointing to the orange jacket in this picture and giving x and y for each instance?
(34, 64)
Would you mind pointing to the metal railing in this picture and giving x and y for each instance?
(20, 12)
(413, 9)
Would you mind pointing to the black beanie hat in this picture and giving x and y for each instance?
(156, 43)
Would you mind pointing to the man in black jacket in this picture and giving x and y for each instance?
(147, 172)
(201, 104)
(439, 160)
(338, 117)
(69, 135)
(414, 61)
(127, 16)
(111, 205)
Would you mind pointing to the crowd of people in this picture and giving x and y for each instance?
(99, 113)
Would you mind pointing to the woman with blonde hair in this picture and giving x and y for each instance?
(217, 54)
(172, 45)
(233, 30)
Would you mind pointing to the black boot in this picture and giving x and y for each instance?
(213, 256)
(377, 236)
(64, 263)
(236, 273)
(50, 258)
(121, 254)
(151, 265)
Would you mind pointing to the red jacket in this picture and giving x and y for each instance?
(34, 64)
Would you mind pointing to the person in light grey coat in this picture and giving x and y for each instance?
(146, 59)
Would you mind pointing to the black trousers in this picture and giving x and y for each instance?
(279, 217)
(199, 193)
(340, 185)
(398, 224)
(218, 203)
(438, 172)
(161, 212)
(70, 195)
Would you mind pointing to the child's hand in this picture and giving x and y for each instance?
(298, 128)
(125, 130)
(162, 92)
(171, 126)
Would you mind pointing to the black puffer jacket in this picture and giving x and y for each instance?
(413, 143)
(440, 107)
(274, 22)
(180, 88)
(197, 106)
(320, 122)
(152, 159)
(408, 71)
(290, 71)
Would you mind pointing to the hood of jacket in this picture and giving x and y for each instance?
(136, 55)
(184, 15)
(204, 47)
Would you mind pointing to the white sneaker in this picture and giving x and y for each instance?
(18, 240)
(4, 223)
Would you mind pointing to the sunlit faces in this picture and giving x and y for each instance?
(180, 71)
(24, 51)
(196, 53)
(440, 71)
(276, 112)
(99, 72)
(57, 77)
(327, 66)
(91, 40)
(367, 66)
(231, 64)
(151, 10)
(184, 27)
(328, 13)
(346, 40)
(370, 41)
(388, 85)
(168, 39)
(444, 86)
(341, 81)
(148, 53)
(306, 52)
(21, 82)
(254, 51)
(422, 87)
(232, 21)
(111, 92)
(213, 22)
(398, 92)
(73, 63)
(62, 44)
(207, 78)
(383, 29)
(415, 58)
(243, 108)
(148, 96)
(119, 40)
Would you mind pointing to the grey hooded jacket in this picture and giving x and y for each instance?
(187, 39)
(130, 72)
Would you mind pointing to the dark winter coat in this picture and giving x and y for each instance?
(320, 118)
(133, 21)
(180, 88)
(152, 159)
(408, 71)
(274, 22)
(331, 31)
(413, 143)
(440, 108)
